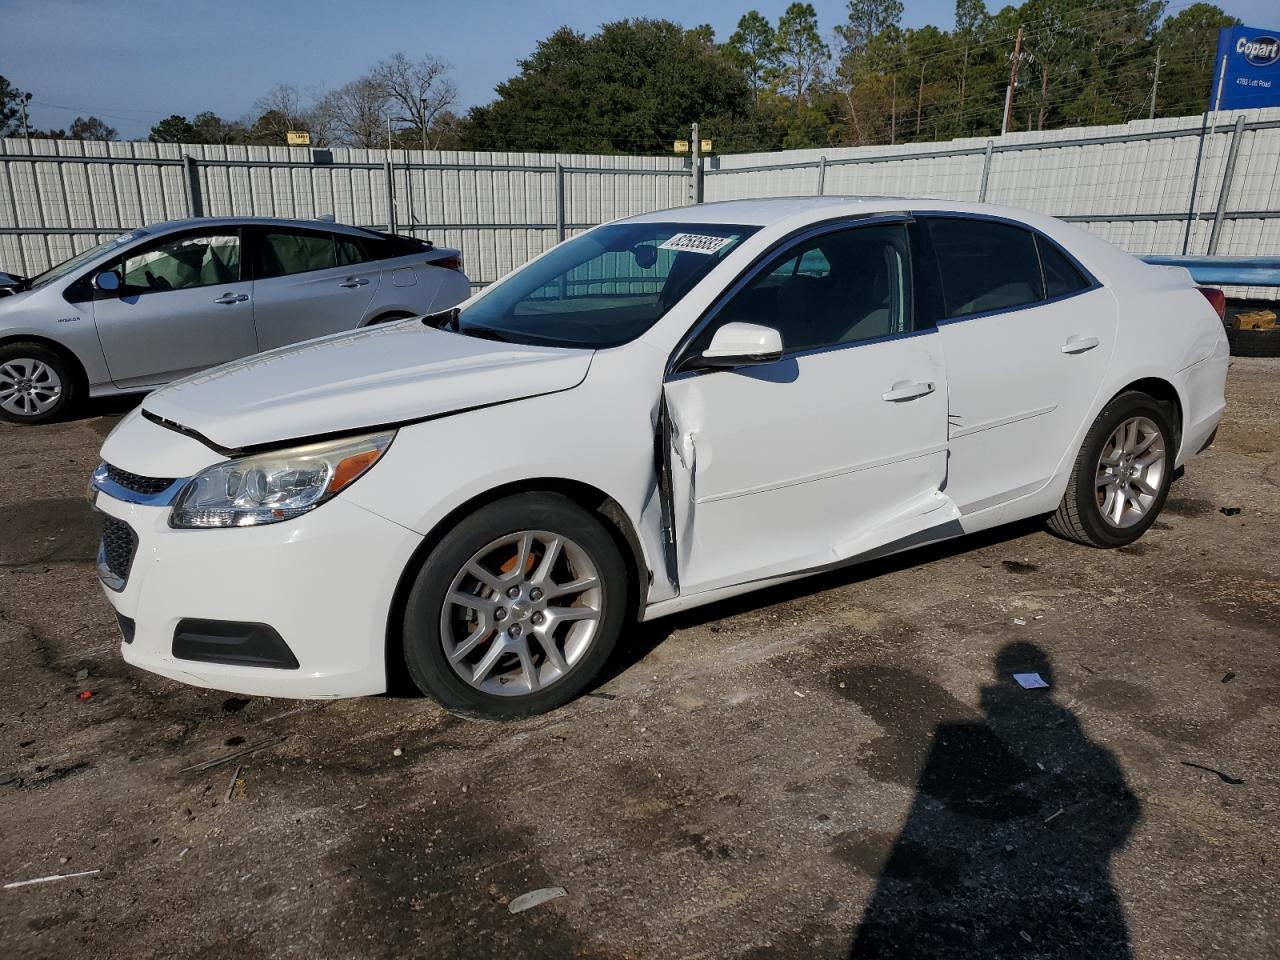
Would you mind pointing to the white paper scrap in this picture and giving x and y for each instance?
(695, 243)
(1030, 681)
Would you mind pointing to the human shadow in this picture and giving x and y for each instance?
(1006, 850)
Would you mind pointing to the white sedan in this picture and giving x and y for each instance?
(659, 413)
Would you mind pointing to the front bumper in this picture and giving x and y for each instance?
(323, 581)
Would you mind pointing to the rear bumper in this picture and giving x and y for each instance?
(322, 583)
(1202, 387)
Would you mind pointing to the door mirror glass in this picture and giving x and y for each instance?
(740, 344)
(107, 280)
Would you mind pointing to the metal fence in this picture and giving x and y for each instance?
(1177, 185)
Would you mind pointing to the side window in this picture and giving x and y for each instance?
(837, 288)
(284, 252)
(351, 250)
(984, 265)
(182, 263)
(1061, 276)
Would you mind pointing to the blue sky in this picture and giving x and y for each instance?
(132, 63)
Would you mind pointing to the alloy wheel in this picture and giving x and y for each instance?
(521, 613)
(28, 387)
(1130, 472)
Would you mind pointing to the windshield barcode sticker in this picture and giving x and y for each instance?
(695, 243)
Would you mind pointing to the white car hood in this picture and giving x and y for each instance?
(384, 375)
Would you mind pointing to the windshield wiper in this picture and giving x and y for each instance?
(483, 333)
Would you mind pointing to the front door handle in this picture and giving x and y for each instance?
(907, 390)
(1079, 344)
(232, 298)
(352, 282)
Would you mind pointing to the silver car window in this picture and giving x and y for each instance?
(182, 263)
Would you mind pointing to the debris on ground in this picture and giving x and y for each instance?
(1030, 681)
(50, 879)
(1054, 816)
(85, 695)
(1225, 777)
(82, 674)
(227, 758)
(237, 782)
(1229, 676)
(536, 897)
(234, 704)
(1020, 621)
(1229, 511)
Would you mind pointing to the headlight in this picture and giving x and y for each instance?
(275, 486)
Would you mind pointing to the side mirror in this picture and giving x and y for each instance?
(742, 344)
(107, 280)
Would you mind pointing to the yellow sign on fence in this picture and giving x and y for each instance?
(298, 138)
(682, 146)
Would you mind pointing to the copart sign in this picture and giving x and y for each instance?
(1251, 57)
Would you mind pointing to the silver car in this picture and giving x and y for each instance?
(167, 300)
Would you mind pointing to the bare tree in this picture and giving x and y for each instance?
(417, 92)
(282, 109)
(356, 113)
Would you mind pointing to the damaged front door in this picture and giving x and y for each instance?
(835, 449)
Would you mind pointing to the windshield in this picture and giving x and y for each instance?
(603, 288)
(80, 259)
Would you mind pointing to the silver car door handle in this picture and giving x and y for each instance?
(907, 390)
(352, 282)
(1078, 344)
(232, 298)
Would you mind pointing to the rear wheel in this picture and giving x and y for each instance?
(1121, 476)
(517, 610)
(37, 384)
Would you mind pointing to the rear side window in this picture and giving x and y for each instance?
(1061, 276)
(351, 250)
(284, 252)
(984, 266)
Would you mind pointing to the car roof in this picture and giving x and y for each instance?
(193, 222)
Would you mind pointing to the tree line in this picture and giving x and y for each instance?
(636, 85)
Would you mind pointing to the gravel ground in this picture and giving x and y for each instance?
(840, 767)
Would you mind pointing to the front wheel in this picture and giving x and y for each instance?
(1121, 476)
(36, 384)
(517, 609)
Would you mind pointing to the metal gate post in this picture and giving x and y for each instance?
(986, 173)
(697, 179)
(559, 203)
(391, 197)
(195, 200)
(822, 175)
(1226, 185)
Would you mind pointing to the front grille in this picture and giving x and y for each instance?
(115, 555)
(148, 486)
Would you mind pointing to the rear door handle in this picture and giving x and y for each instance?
(907, 390)
(352, 282)
(232, 298)
(1079, 344)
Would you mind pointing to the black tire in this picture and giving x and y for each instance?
(67, 373)
(424, 652)
(1079, 517)
(391, 317)
(1254, 343)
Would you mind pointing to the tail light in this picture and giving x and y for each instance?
(1217, 299)
(448, 263)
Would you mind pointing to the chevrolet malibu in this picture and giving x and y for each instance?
(659, 413)
(162, 302)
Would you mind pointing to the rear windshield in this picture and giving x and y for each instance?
(603, 288)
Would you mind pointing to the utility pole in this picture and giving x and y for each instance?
(695, 145)
(26, 127)
(920, 102)
(1155, 85)
(893, 113)
(1013, 82)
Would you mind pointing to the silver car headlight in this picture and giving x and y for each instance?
(275, 486)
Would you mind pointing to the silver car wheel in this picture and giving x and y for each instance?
(521, 613)
(28, 387)
(1131, 472)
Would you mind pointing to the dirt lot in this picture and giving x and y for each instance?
(838, 768)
